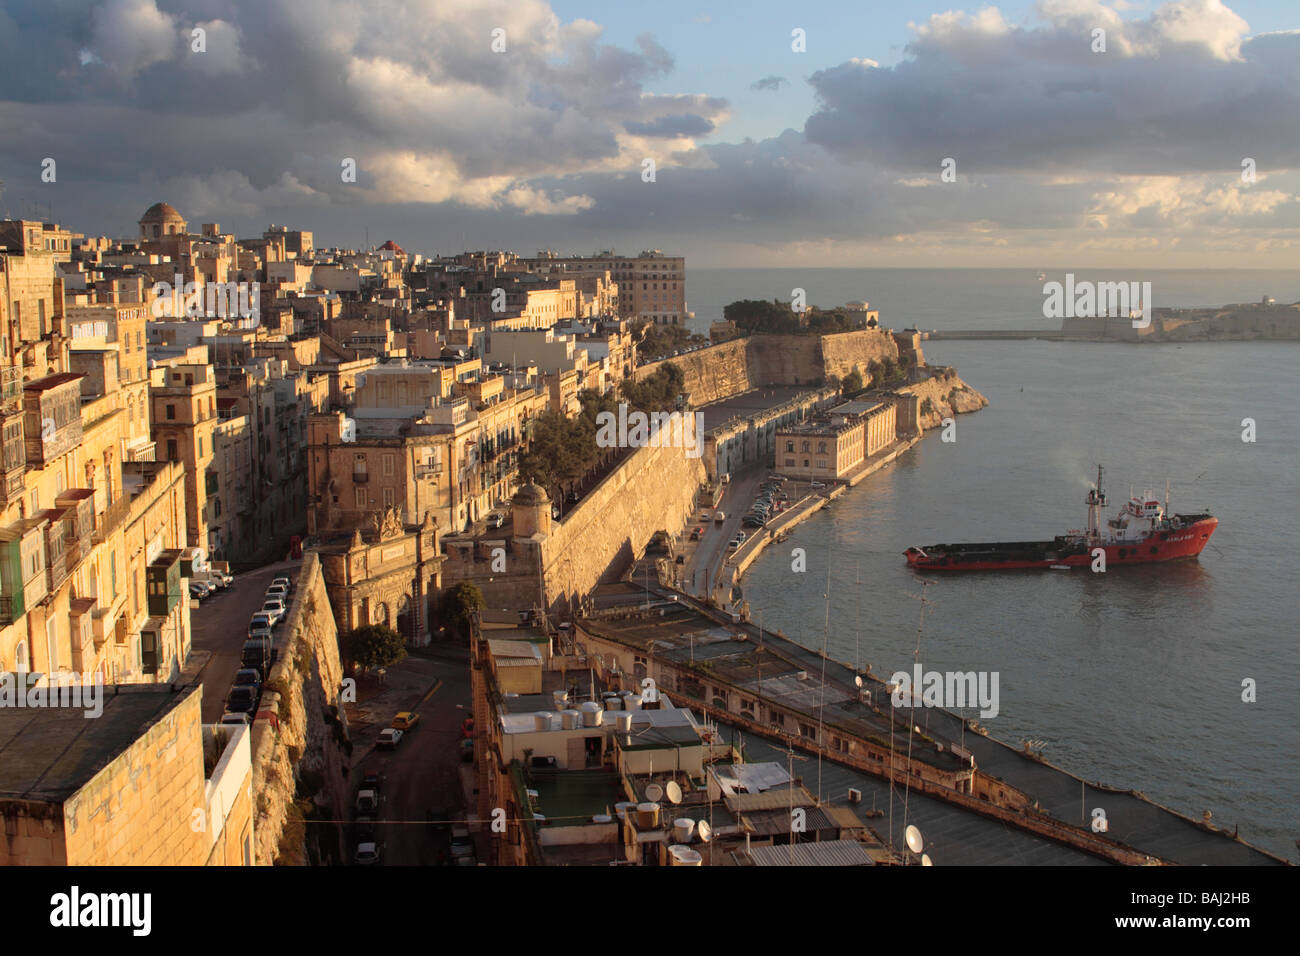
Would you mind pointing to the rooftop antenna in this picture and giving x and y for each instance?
(911, 726)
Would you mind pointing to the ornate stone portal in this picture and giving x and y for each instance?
(390, 575)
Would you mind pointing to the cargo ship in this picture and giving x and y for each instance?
(1142, 533)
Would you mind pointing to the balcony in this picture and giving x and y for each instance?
(11, 387)
(52, 416)
(360, 477)
(164, 583)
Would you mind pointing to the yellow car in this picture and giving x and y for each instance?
(406, 720)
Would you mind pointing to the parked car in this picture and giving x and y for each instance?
(752, 521)
(704, 516)
(274, 608)
(462, 842)
(467, 728)
(374, 780)
(278, 591)
(199, 590)
(389, 738)
(260, 622)
(696, 534)
(248, 677)
(719, 517)
(242, 700)
(259, 653)
(367, 853)
(496, 520)
(817, 484)
(286, 581)
(406, 721)
(467, 750)
(367, 803)
(232, 718)
(681, 559)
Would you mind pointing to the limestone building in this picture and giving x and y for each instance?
(145, 783)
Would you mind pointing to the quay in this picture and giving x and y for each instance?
(774, 689)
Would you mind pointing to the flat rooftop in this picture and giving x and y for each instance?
(49, 753)
(750, 403)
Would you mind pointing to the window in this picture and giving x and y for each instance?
(171, 450)
(789, 446)
(360, 497)
(112, 573)
(388, 464)
(171, 412)
(388, 497)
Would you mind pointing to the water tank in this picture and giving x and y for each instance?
(683, 829)
(622, 808)
(602, 818)
(684, 856)
(613, 702)
(632, 701)
(542, 720)
(571, 719)
(591, 714)
(561, 698)
(624, 723)
(647, 815)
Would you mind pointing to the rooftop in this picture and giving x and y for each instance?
(48, 754)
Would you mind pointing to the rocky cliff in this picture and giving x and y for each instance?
(944, 395)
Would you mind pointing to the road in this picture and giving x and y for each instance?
(220, 626)
(423, 772)
(711, 550)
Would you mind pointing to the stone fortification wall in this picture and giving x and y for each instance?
(299, 751)
(731, 368)
(654, 489)
(712, 373)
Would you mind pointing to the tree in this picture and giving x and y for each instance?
(852, 382)
(460, 606)
(373, 645)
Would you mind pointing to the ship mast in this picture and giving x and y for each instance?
(1096, 501)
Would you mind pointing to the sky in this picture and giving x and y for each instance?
(1048, 134)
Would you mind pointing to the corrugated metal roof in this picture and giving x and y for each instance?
(827, 853)
(769, 800)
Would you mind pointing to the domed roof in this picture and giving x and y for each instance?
(391, 246)
(162, 212)
(531, 494)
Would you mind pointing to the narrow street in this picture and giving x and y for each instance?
(219, 626)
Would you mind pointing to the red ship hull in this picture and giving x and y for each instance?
(1175, 544)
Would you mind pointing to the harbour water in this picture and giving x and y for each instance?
(1131, 678)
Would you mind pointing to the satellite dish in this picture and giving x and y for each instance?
(674, 792)
(913, 837)
(704, 831)
(858, 680)
(925, 860)
(654, 793)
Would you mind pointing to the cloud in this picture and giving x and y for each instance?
(1184, 90)
(418, 95)
(772, 83)
(1059, 151)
